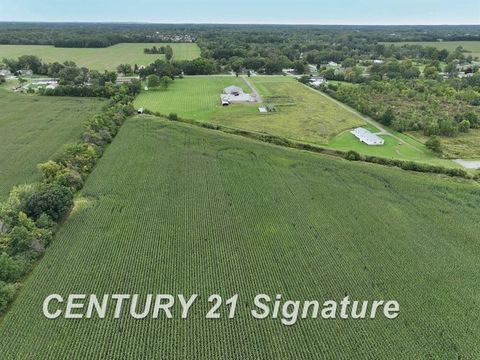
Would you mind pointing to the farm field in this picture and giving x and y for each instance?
(33, 129)
(181, 209)
(301, 114)
(473, 47)
(102, 58)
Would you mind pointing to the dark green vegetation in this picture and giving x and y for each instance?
(429, 107)
(172, 208)
(33, 130)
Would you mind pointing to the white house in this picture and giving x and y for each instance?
(5, 72)
(378, 61)
(367, 137)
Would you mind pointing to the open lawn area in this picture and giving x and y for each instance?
(103, 58)
(473, 47)
(301, 113)
(176, 209)
(33, 128)
(408, 150)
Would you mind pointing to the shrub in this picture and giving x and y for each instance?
(353, 156)
(173, 117)
(10, 268)
(52, 199)
(434, 144)
(7, 292)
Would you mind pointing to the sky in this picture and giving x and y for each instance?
(358, 12)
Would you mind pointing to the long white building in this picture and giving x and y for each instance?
(367, 137)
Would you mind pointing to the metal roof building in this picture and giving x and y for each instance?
(367, 137)
(233, 90)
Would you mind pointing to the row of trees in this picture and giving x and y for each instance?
(29, 217)
(67, 73)
(166, 50)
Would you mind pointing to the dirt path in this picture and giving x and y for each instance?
(255, 93)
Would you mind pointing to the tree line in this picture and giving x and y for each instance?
(29, 217)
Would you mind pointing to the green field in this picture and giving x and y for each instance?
(302, 114)
(103, 58)
(465, 146)
(179, 209)
(408, 149)
(473, 47)
(33, 129)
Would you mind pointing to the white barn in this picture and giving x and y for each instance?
(367, 137)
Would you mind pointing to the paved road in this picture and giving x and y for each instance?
(469, 164)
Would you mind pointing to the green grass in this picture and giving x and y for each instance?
(190, 97)
(393, 148)
(33, 129)
(473, 47)
(100, 59)
(465, 146)
(302, 114)
(179, 209)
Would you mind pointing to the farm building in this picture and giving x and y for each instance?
(126, 79)
(233, 90)
(367, 137)
(234, 94)
(5, 73)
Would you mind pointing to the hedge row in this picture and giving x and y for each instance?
(29, 218)
(349, 155)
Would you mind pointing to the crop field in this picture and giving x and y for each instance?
(301, 113)
(472, 47)
(179, 209)
(101, 59)
(33, 129)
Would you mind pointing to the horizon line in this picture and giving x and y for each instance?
(227, 23)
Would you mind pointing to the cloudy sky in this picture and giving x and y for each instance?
(246, 11)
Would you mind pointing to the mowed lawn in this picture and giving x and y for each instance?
(408, 149)
(302, 114)
(193, 97)
(33, 129)
(175, 209)
(473, 47)
(101, 58)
